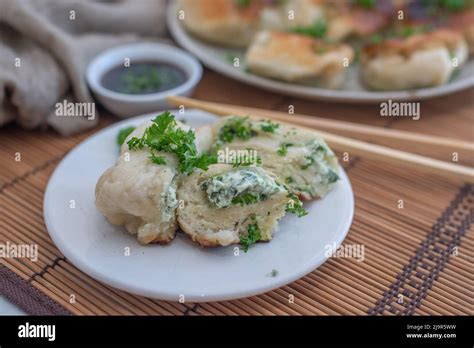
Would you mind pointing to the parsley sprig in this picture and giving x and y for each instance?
(123, 134)
(165, 135)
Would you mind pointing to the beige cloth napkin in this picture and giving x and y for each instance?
(45, 46)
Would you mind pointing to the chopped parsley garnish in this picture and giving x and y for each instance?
(310, 160)
(317, 30)
(289, 180)
(123, 134)
(142, 81)
(236, 127)
(164, 135)
(407, 31)
(295, 206)
(269, 127)
(273, 273)
(245, 199)
(243, 3)
(453, 5)
(253, 236)
(157, 159)
(283, 149)
(376, 38)
(365, 3)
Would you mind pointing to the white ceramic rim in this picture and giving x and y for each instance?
(313, 93)
(310, 266)
(99, 66)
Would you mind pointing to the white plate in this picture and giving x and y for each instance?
(216, 58)
(181, 268)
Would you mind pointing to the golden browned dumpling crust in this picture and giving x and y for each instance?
(298, 58)
(223, 22)
(420, 60)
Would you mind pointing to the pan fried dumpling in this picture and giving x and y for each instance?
(297, 58)
(463, 22)
(227, 205)
(139, 194)
(292, 13)
(421, 60)
(224, 22)
(296, 157)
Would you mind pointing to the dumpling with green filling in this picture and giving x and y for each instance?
(228, 205)
(296, 157)
(139, 194)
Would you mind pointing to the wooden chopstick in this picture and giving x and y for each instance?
(365, 132)
(352, 146)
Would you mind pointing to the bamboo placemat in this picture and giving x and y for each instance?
(418, 259)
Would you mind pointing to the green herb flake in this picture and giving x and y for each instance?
(245, 199)
(236, 127)
(376, 38)
(317, 30)
(366, 3)
(160, 160)
(269, 127)
(453, 5)
(273, 273)
(123, 134)
(141, 81)
(295, 206)
(243, 3)
(283, 149)
(252, 237)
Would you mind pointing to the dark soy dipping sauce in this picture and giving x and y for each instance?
(143, 78)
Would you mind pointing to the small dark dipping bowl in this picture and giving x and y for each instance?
(143, 77)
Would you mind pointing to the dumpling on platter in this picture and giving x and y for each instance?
(297, 58)
(224, 22)
(418, 61)
(227, 205)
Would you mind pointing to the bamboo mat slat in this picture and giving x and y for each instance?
(418, 260)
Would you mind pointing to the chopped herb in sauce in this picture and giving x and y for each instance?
(143, 78)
